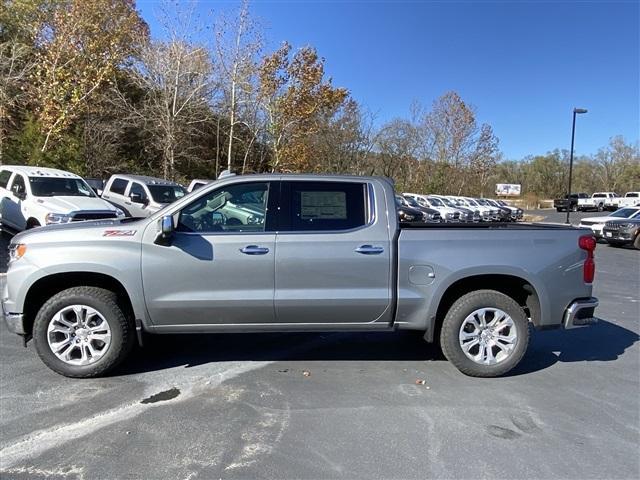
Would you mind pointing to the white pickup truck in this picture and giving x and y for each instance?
(35, 196)
(630, 199)
(598, 201)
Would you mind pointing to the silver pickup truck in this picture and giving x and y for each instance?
(313, 253)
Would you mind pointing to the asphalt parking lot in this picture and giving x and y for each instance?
(242, 406)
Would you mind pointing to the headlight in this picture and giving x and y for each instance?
(57, 218)
(16, 251)
(449, 215)
(120, 213)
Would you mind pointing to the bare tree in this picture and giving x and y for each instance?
(174, 76)
(238, 46)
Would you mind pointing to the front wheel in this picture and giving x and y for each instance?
(82, 332)
(636, 242)
(574, 208)
(485, 334)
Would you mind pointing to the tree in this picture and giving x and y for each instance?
(483, 159)
(617, 163)
(78, 51)
(295, 96)
(238, 44)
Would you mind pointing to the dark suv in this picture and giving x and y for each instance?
(622, 232)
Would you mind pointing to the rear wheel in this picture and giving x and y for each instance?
(636, 242)
(600, 207)
(574, 208)
(82, 332)
(613, 243)
(485, 334)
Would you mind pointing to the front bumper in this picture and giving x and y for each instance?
(14, 321)
(580, 313)
(617, 235)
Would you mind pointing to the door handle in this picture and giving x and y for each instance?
(254, 250)
(369, 250)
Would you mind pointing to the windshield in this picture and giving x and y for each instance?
(471, 202)
(447, 202)
(411, 202)
(482, 201)
(436, 202)
(166, 193)
(59, 187)
(626, 213)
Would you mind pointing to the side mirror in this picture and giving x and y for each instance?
(21, 194)
(137, 198)
(166, 230)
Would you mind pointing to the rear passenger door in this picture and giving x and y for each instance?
(333, 255)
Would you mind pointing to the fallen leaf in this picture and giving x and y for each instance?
(306, 373)
(420, 382)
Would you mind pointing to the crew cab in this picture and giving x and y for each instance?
(598, 201)
(139, 195)
(569, 202)
(35, 196)
(327, 254)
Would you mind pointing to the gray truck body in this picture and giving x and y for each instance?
(378, 276)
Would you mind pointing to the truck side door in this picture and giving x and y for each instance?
(137, 208)
(219, 267)
(333, 254)
(12, 204)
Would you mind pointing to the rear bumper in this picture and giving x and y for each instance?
(580, 313)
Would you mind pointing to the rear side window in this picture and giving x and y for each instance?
(118, 186)
(317, 206)
(5, 175)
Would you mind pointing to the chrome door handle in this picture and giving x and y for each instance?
(369, 250)
(254, 250)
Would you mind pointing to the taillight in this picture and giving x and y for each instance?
(588, 243)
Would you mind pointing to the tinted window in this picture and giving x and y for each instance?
(139, 189)
(62, 187)
(18, 185)
(166, 193)
(314, 206)
(118, 186)
(237, 208)
(628, 195)
(5, 175)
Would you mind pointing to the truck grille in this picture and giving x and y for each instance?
(612, 226)
(79, 217)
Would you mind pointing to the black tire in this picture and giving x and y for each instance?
(105, 302)
(574, 208)
(636, 242)
(32, 223)
(559, 210)
(460, 310)
(600, 207)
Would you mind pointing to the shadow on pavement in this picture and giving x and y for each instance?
(602, 342)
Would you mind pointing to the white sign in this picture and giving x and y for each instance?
(508, 189)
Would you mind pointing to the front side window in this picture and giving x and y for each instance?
(5, 175)
(237, 208)
(315, 206)
(166, 193)
(118, 186)
(138, 189)
(59, 187)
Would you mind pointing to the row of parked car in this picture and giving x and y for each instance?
(35, 196)
(619, 228)
(582, 202)
(414, 207)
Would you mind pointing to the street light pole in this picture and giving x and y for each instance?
(573, 135)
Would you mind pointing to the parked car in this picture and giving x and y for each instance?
(516, 212)
(504, 213)
(494, 212)
(466, 214)
(630, 199)
(407, 214)
(197, 183)
(141, 196)
(598, 201)
(330, 255)
(430, 215)
(597, 223)
(35, 196)
(622, 232)
(448, 214)
(96, 184)
(569, 202)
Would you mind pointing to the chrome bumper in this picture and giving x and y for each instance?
(580, 313)
(14, 321)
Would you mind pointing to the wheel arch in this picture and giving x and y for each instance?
(46, 287)
(514, 286)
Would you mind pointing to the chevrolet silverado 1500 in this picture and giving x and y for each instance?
(310, 253)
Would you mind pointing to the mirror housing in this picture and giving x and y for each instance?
(166, 230)
(21, 195)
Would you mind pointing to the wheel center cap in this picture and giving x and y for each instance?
(82, 333)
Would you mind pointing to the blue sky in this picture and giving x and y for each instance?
(523, 64)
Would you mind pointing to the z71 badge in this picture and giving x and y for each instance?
(119, 233)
